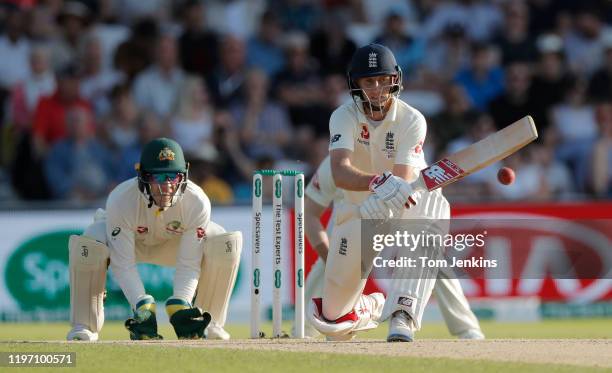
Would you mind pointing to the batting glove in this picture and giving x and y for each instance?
(144, 324)
(394, 191)
(374, 208)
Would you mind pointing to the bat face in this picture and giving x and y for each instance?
(491, 149)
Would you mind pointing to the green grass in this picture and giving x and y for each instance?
(572, 328)
(113, 358)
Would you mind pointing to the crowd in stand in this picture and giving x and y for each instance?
(247, 84)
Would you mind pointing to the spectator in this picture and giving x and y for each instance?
(120, 127)
(481, 19)
(15, 52)
(559, 182)
(73, 20)
(447, 55)
(298, 86)
(483, 80)
(408, 51)
(514, 41)
(157, 88)
(549, 80)
(600, 86)
(300, 15)
(456, 118)
(96, 82)
(198, 46)
(235, 17)
(264, 51)
(584, 45)
(225, 84)
(25, 95)
(530, 183)
(149, 127)
(135, 54)
(331, 47)
(108, 31)
(192, 125)
(601, 173)
(514, 103)
(263, 126)
(79, 167)
(49, 118)
(203, 171)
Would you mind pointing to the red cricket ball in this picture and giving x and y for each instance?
(506, 175)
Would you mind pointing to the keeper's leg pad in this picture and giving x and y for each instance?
(88, 260)
(218, 275)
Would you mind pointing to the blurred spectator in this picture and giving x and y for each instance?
(409, 51)
(234, 17)
(584, 45)
(41, 26)
(157, 88)
(96, 82)
(49, 118)
(79, 167)
(559, 182)
(549, 80)
(600, 86)
(136, 53)
(335, 94)
(73, 20)
(198, 46)
(574, 129)
(457, 116)
(15, 52)
(192, 124)
(263, 126)
(483, 80)
(514, 103)
(202, 171)
(530, 183)
(264, 51)
(130, 10)
(298, 86)
(331, 46)
(25, 95)
(480, 18)
(109, 32)
(514, 41)
(601, 174)
(225, 83)
(375, 12)
(447, 55)
(300, 15)
(120, 127)
(149, 127)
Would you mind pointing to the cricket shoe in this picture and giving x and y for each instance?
(215, 331)
(471, 334)
(400, 328)
(81, 333)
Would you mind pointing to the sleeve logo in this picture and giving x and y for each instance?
(335, 138)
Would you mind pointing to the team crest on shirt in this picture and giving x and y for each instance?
(175, 227)
(142, 230)
(389, 148)
(364, 135)
(166, 154)
(200, 233)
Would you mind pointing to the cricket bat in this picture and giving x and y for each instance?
(475, 157)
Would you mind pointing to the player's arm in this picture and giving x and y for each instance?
(347, 176)
(314, 230)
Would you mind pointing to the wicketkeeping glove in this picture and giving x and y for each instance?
(188, 322)
(144, 324)
(393, 190)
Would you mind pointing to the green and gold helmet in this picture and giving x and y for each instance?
(162, 166)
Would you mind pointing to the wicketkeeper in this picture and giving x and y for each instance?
(159, 217)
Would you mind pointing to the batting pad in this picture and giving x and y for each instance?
(218, 276)
(88, 263)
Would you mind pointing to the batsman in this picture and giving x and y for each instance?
(163, 218)
(376, 151)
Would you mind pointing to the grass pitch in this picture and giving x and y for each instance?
(172, 355)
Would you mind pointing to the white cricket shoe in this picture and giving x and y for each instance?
(471, 334)
(400, 328)
(81, 333)
(215, 331)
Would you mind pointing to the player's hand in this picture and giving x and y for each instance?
(144, 324)
(393, 190)
(188, 322)
(374, 208)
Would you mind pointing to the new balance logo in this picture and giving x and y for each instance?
(436, 173)
(372, 60)
(405, 301)
(440, 173)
